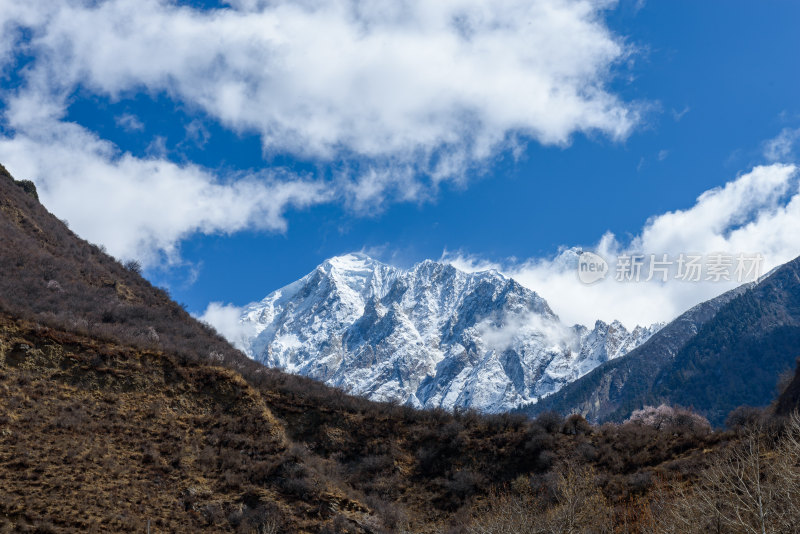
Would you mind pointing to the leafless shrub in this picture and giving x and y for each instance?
(54, 286)
(576, 424)
(668, 418)
(133, 266)
(579, 506)
(749, 488)
(745, 417)
(550, 421)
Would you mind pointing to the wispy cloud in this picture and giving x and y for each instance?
(783, 146)
(515, 327)
(679, 114)
(225, 318)
(129, 122)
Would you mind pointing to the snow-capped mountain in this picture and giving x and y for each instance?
(428, 336)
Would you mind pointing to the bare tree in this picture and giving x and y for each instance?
(508, 513)
(579, 507)
(786, 460)
(739, 488)
(750, 488)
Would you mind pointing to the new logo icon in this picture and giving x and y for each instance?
(591, 268)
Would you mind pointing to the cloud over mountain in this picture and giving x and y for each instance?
(752, 214)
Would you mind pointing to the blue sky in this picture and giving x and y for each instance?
(663, 101)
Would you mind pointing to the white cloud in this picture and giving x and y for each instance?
(782, 147)
(754, 214)
(434, 86)
(225, 319)
(513, 328)
(129, 122)
(678, 115)
(197, 133)
(142, 208)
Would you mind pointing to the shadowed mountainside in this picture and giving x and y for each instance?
(721, 354)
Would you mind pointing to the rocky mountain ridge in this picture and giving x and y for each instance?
(429, 336)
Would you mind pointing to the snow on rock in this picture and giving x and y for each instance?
(430, 336)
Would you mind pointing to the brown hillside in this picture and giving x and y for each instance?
(97, 437)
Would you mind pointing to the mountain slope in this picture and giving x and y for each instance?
(431, 336)
(100, 437)
(720, 354)
(737, 357)
(119, 410)
(105, 427)
(44, 265)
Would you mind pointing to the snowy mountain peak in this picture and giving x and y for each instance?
(356, 276)
(431, 335)
(352, 262)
